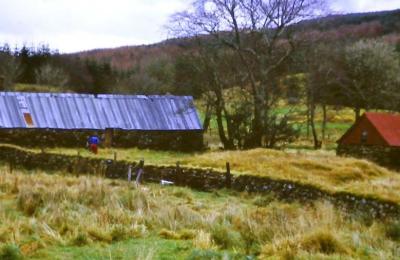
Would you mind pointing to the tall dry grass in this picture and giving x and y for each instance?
(321, 169)
(38, 211)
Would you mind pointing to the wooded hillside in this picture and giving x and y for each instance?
(357, 26)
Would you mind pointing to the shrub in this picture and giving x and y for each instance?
(10, 252)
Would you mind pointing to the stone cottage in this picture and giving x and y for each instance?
(374, 136)
(66, 119)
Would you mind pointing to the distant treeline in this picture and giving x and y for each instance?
(44, 66)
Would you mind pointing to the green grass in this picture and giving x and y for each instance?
(93, 218)
(131, 154)
(142, 248)
(38, 88)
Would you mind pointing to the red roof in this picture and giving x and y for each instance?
(388, 126)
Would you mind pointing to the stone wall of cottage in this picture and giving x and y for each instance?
(383, 155)
(162, 140)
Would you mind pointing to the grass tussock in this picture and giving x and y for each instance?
(324, 242)
(320, 242)
(58, 211)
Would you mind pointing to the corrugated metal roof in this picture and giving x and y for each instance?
(85, 111)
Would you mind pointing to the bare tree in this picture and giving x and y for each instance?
(222, 76)
(258, 32)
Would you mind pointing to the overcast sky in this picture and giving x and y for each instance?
(75, 25)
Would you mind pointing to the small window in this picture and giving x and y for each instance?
(364, 136)
(28, 119)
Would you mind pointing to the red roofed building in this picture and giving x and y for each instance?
(375, 136)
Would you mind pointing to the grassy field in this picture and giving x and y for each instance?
(322, 169)
(59, 217)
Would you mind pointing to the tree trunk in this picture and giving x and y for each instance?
(207, 119)
(324, 120)
(226, 142)
(317, 143)
(257, 125)
(308, 120)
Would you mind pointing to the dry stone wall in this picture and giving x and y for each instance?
(201, 179)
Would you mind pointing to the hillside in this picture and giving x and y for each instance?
(390, 20)
(128, 57)
(356, 25)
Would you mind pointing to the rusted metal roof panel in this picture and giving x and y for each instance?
(85, 111)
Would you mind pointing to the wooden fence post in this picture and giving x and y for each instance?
(178, 173)
(108, 168)
(139, 172)
(228, 176)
